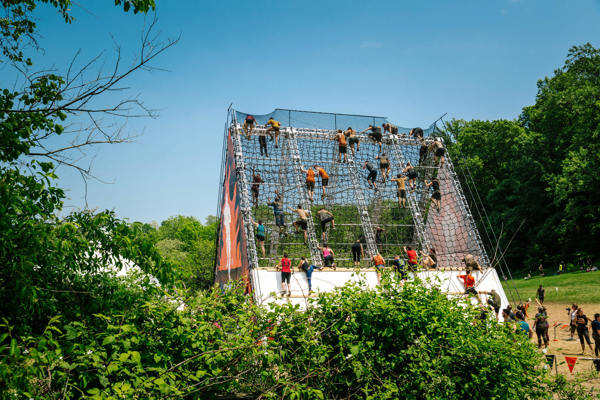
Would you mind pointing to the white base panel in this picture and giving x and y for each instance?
(267, 284)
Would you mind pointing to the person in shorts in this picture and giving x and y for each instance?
(436, 196)
(468, 282)
(384, 166)
(410, 172)
(379, 263)
(302, 222)
(262, 143)
(327, 256)
(438, 151)
(260, 234)
(342, 145)
(495, 301)
(389, 128)
(277, 205)
(273, 130)
(372, 177)
(352, 139)
(378, 233)
(541, 293)
(308, 270)
(573, 323)
(249, 124)
(596, 334)
(326, 217)
(540, 326)
(401, 182)
(471, 263)
(310, 181)
(412, 257)
(255, 189)
(417, 133)
(286, 275)
(357, 252)
(398, 265)
(423, 152)
(324, 179)
(428, 262)
(375, 134)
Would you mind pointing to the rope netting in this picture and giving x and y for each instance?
(276, 188)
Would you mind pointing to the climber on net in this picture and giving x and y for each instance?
(378, 233)
(277, 205)
(260, 234)
(302, 222)
(417, 133)
(384, 166)
(256, 181)
(410, 172)
(326, 217)
(340, 137)
(429, 259)
(438, 151)
(401, 182)
(274, 128)
(375, 134)
(471, 263)
(352, 139)
(423, 152)
(324, 179)
(327, 256)
(310, 181)
(436, 197)
(469, 283)
(308, 269)
(372, 177)
(262, 143)
(389, 128)
(249, 123)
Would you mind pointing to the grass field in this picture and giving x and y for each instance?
(575, 287)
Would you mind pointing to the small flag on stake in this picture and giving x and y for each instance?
(571, 362)
(550, 360)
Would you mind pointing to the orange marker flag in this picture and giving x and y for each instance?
(571, 362)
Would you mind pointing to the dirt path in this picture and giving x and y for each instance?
(562, 346)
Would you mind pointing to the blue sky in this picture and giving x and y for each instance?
(409, 61)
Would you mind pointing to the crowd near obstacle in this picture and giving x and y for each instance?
(361, 213)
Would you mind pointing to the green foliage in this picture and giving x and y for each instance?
(541, 169)
(388, 342)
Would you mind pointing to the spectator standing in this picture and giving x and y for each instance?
(523, 326)
(582, 330)
(540, 326)
(596, 334)
(573, 324)
(540, 294)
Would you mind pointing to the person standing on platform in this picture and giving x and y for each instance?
(410, 172)
(357, 252)
(260, 234)
(375, 134)
(302, 222)
(540, 294)
(310, 181)
(384, 166)
(342, 145)
(352, 139)
(326, 217)
(249, 123)
(372, 177)
(401, 193)
(324, 179)
(274, 128)
(286, 275)
(412, 257)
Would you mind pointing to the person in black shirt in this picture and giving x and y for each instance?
(582, 330)
(417, 133)
(411, 174)
(540, 326)
(372, 177)
(540, 294)
(596, 334)
(436, 197)
(378, 233)
(249, 125)
(256, 181)
(357, 252)
(375, 134)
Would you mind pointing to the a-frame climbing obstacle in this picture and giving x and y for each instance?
(374, 217)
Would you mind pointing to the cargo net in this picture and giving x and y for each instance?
(449, 231)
